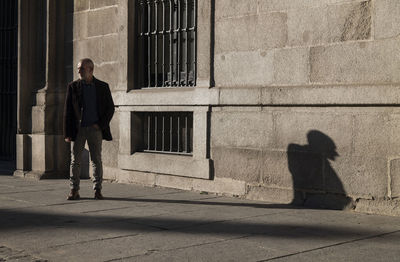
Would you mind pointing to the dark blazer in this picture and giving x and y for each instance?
(73, 108)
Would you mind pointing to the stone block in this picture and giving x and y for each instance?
(108, 73)
(24, 152)
(229, 8)
(236, 34)
(38, 119)
(387, 18)
(376, 134)
(380, 206)
(359, 177)
(174, 182)
(80, 25)
(292, 125)
(271, 30)
(110, 153)
(114, 125)
(270, 194)
(350, 21)
(125, 133)
(237, 163)
(363, 62)
(81, 5)
(102, 3)
(291, 66)
(246, 129)
(253, 68)
(275, 169)
(90, 48)
(221, 186)
(240, 96)
(107, 18)
(140, 178)
(284, 5)
(110, 48)
(307, 26)
(246, 33)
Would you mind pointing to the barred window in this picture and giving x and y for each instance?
(167, 132)
(167, 42)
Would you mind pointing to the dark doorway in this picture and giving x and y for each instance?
(8, 83)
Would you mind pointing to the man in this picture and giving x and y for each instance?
(88, 110)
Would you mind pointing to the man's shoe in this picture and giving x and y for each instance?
(98, 195)
(73, 195)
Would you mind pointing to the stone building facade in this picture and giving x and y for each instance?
(294, 100)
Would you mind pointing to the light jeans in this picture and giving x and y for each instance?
(94, 139)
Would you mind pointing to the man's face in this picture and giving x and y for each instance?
(84, 71)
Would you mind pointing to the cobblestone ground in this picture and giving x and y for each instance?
(8, 254)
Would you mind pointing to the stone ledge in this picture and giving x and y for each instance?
(380, 207)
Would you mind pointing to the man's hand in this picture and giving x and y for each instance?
(68, 139)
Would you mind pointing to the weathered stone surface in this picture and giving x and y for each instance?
(237, 163)
(108, 73)
(102, 3)
(350, 21)
(236, 34)
(221, 185)
(109, 48)
(387, 18)
(253, 68)
(253, 32)
(228, 8)
(246, 129)
(87, 48)
(270, 194)
(307, 26)
(80, 5)
(79, 25)
(275, 169)
(110, 153)
(107, 18)
(394, 178)
(241, 96)
(364, 62)
(293, 124)
(140, 178)
(271, 30)
(291, 66)
(284, 5)
(376, 134)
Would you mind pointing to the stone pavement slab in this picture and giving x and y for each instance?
(136, 223)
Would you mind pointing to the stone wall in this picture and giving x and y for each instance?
(326, 69)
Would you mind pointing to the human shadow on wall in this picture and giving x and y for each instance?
(315, 182)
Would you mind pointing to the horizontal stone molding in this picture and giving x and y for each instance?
(318, 95)
(185, 166)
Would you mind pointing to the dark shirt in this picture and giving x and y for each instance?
(90, 115)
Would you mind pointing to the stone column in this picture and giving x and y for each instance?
(41, 150)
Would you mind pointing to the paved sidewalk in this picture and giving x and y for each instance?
(137, 223)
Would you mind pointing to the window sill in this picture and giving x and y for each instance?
(177, 165)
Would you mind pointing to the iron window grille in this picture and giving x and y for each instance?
(8, 77)
(167, 42)
(167, 132)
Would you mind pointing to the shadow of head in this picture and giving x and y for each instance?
(322, 144)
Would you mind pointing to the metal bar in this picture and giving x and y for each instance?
(148, 44)
(186, 135)
(194, 42)
(179, 131)
(148, 131)
(155, 132)
(178, 46)
(163, 133)
(156, 43)
(163, 44)
(187, 44)
(171, 41)
(170, 133)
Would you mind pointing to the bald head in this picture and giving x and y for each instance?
(85, 69)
